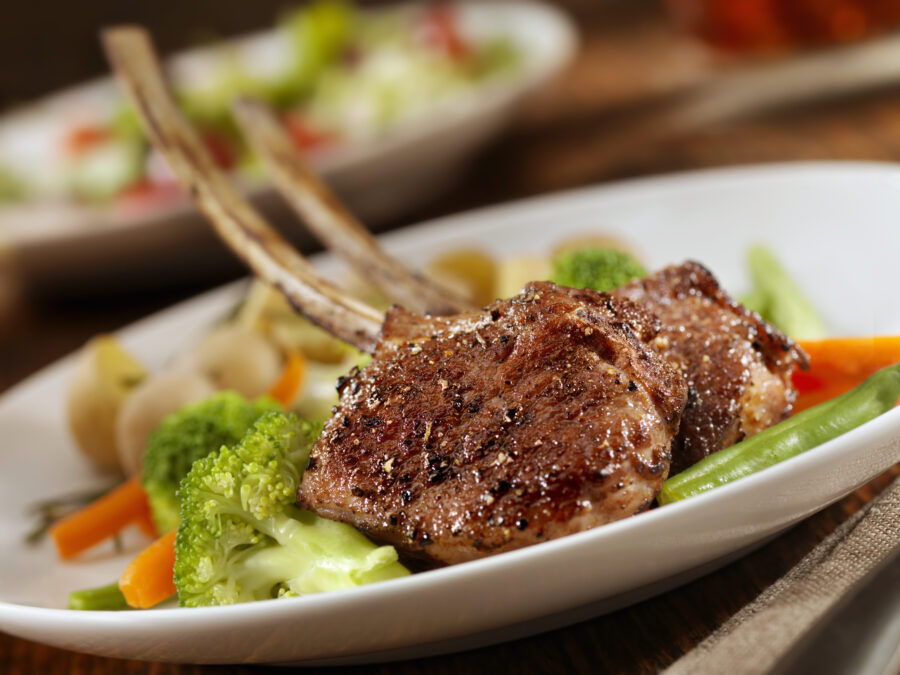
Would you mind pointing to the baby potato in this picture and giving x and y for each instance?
(105, 376)
(235, 357)
(513, 274)
(469, 272)
(152, 401)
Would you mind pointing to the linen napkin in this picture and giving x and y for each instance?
(760, 634)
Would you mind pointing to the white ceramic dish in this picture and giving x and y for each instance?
(378, 179)
(834, 225)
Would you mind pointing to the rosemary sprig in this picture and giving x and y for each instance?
(50, 511)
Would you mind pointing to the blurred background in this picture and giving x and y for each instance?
(651, 87)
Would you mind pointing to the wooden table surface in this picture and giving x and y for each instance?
(630, 60)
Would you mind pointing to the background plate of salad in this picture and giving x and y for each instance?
(363, 93)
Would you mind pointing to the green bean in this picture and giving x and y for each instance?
(797, 434)
(779, 299)
(105, 597)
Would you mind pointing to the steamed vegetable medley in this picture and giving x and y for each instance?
(215, 444)
(338, 76)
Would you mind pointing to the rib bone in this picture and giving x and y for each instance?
(242, 228)
(333, 224)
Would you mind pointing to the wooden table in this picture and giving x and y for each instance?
(630, 60)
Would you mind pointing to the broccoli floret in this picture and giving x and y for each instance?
(242, 537)
(602, 269)
(185, 436)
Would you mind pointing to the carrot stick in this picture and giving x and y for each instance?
(146, 525)
(839, 364)
(285, 390)
(148, 579)
(100, 519)
(853, 355)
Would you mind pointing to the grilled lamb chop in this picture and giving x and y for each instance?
(540, 416)
(738, 367)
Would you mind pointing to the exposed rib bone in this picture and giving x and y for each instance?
(130, 51)
(331, 223)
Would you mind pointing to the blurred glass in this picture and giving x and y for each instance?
(774, 25)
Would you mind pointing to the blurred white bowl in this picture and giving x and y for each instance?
(55, 243)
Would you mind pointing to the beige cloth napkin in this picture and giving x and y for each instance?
(758, 636)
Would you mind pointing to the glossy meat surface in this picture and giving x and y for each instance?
(543, 415)
(737, 366)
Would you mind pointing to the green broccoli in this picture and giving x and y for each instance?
(193, 432)
(242, 537)
(602, 269)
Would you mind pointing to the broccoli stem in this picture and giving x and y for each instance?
(328, 555)
(107, 597)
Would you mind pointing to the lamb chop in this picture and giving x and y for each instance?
(737, 366)
(539, 416)
(542, 415)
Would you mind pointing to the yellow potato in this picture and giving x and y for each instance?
(469, 272)
(513, 274)
(105, 376)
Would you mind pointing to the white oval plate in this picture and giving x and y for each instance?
(835, 226)
(378, 178)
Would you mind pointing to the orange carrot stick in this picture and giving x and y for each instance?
(146, 525)
(148, 579)
(852, 356)
(100, 519)
(285, 390)
(839, 364)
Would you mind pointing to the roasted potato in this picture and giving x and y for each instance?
(105, 376)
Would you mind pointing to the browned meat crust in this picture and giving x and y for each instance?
(544, 415)
(737, 366)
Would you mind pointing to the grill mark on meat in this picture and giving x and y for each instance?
(564, 421)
